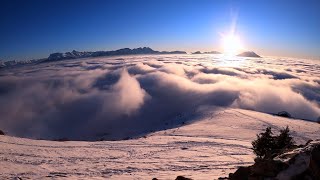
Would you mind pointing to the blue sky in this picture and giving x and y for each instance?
(34, 29)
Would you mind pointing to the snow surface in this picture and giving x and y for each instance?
(210, 146)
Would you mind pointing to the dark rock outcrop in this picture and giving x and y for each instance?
(177, 178)
(240, 173)
(1, 133)
(182, 178)
(249, 54)
(315, 162)
(284, 114)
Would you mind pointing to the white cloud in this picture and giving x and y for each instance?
(84, 99)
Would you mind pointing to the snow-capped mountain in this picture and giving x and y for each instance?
(78, 54)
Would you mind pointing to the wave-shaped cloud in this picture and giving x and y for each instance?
(106, 98)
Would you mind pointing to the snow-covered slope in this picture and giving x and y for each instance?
(209, 147)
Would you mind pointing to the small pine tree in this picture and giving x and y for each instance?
(284, 140)
(266, 145)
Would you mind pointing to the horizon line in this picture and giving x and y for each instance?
(187, 52)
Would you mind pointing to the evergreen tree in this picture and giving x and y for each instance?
(264, 143)
(284, 140)
(267, 146)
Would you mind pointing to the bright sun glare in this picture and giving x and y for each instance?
(231, 45)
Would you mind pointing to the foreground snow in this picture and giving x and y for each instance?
(211, 146)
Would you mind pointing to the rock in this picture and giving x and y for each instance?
(314, 165)
(267, 168)
(249, 54)
(297, 165)
(62, 139)
(223, 178)
(182, 178)
(1, 133)
(284, 114)
(241, 173)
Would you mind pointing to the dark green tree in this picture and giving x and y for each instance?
(264, 144)
(284, 140)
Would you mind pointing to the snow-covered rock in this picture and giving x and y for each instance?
(284, 114)
(303, 164)
(300, 163)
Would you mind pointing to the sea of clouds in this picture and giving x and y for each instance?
(118, 97)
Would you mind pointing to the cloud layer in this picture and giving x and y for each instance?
(113, 98)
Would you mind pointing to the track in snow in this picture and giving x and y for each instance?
(209, 147)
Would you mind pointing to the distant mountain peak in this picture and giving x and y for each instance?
(249, 54)
(209, 52)
(197, 52)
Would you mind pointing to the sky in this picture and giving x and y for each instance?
(35, 28)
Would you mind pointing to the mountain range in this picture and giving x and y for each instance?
(78, 54)
(124, 51)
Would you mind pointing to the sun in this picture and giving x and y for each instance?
(231, 45)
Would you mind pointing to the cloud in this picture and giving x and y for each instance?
(55, 107)
(266, 97)
(140, 68)
(113, 98)
(128, 93)
(224, 71)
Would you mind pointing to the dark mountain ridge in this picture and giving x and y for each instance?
(124, 51)
(85, 54)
